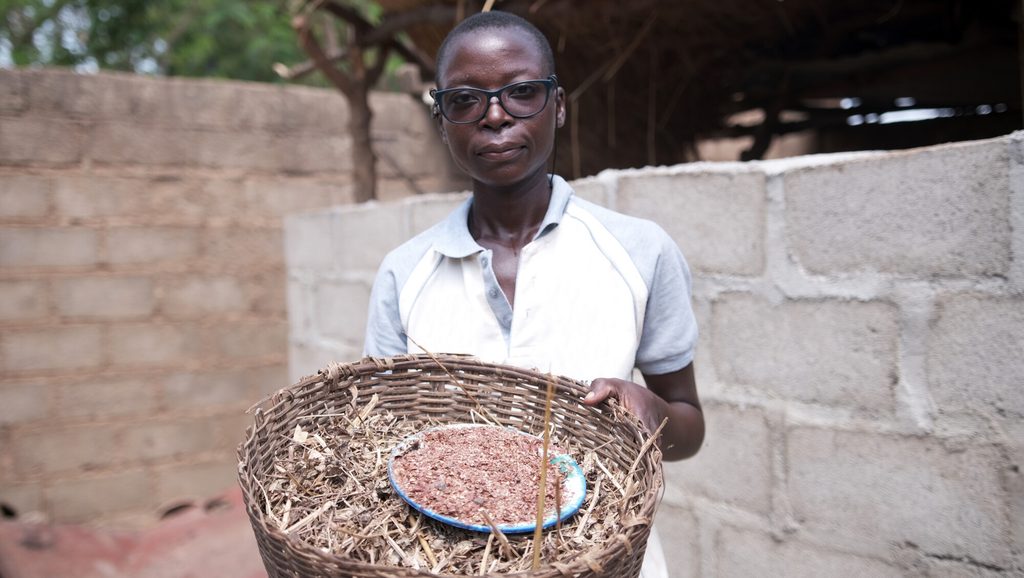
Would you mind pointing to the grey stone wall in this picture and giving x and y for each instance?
(861, 359)
(142, 280)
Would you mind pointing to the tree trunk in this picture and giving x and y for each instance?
(364, 161)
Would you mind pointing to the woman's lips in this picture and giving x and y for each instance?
(500, 152)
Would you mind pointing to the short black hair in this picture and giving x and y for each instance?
(494, 20)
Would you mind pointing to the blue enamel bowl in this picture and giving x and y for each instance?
(574, 487)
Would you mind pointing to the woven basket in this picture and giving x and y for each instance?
(417, 387)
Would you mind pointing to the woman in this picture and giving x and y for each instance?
(524, 272)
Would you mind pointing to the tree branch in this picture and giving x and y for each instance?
(323, 63)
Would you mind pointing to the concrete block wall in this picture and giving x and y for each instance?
(861, 357)
(142, 281)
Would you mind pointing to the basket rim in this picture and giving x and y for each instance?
(335, 373)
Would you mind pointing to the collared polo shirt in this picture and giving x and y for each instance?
(597, 294)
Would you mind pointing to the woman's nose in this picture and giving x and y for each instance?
(496, 114)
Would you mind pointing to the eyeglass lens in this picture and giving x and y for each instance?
(522, 99)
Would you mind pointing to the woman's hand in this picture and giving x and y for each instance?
(637, 399)
(670, 395)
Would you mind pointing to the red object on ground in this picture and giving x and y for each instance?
(213, 539)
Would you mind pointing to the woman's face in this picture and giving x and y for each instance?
(500, 150)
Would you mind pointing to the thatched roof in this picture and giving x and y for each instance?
(649, 78)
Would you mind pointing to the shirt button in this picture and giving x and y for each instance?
(483, 261)
(493, 293)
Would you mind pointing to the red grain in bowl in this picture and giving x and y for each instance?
(457, 472)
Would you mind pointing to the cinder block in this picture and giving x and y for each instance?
(107, 398)
(341, 311)
(194, 481)
(363, 235)
(106, 96)
(1013, 478)
(250, 340)
(278, 197)
(592, 189)
(194, 296)
(152, 344)
(152, 245)
(268, 293)
(56, 348)
(409, 153)
(12, 92)
(885, 489)
(309, 110)
(205, 390)
(157, 440)
(935, 211)
(316, 111)
(307, 240)
(976, 354)
(48, 92)
(217, 104)
(397, 113)
(92, 196)
(40, 141)
(86, 499)
(302, 154)
(680, 540)
(267, 379)
(734, 465)
(74, 449)
(717, 218)
(25, 196)
(933, 568)
(233, 248)
(300, 309)
(751, 553)
(99, 97)
(222, 149)
(23, 300)
(231, 427)
(391, 189)
(308, 357)
(21, 499)
(48, 247)
(104, 297)
(834, 352)
(144, 144)
(196, 199)
(441, 182)
(427, 211)
(24, 402)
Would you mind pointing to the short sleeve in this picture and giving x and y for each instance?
(669, 336)
(384, 334)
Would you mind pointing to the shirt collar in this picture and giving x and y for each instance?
(456, 242)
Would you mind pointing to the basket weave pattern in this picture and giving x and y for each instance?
(419, 387)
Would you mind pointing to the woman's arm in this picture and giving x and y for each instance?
(670, 395)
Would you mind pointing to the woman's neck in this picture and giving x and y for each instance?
(509, 217)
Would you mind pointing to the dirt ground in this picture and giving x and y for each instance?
(213, 538)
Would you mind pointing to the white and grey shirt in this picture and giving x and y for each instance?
(597, 294)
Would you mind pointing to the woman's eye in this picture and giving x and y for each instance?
(463, 99)
(523, 91)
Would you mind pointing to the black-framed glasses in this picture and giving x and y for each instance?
(523, 99)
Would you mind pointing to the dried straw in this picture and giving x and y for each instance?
(314, 474)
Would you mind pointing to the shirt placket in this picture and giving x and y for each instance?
(495, 296)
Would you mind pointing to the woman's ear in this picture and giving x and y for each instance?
(435, 112)
(560, 107)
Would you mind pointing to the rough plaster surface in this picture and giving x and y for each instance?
(942, 211)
